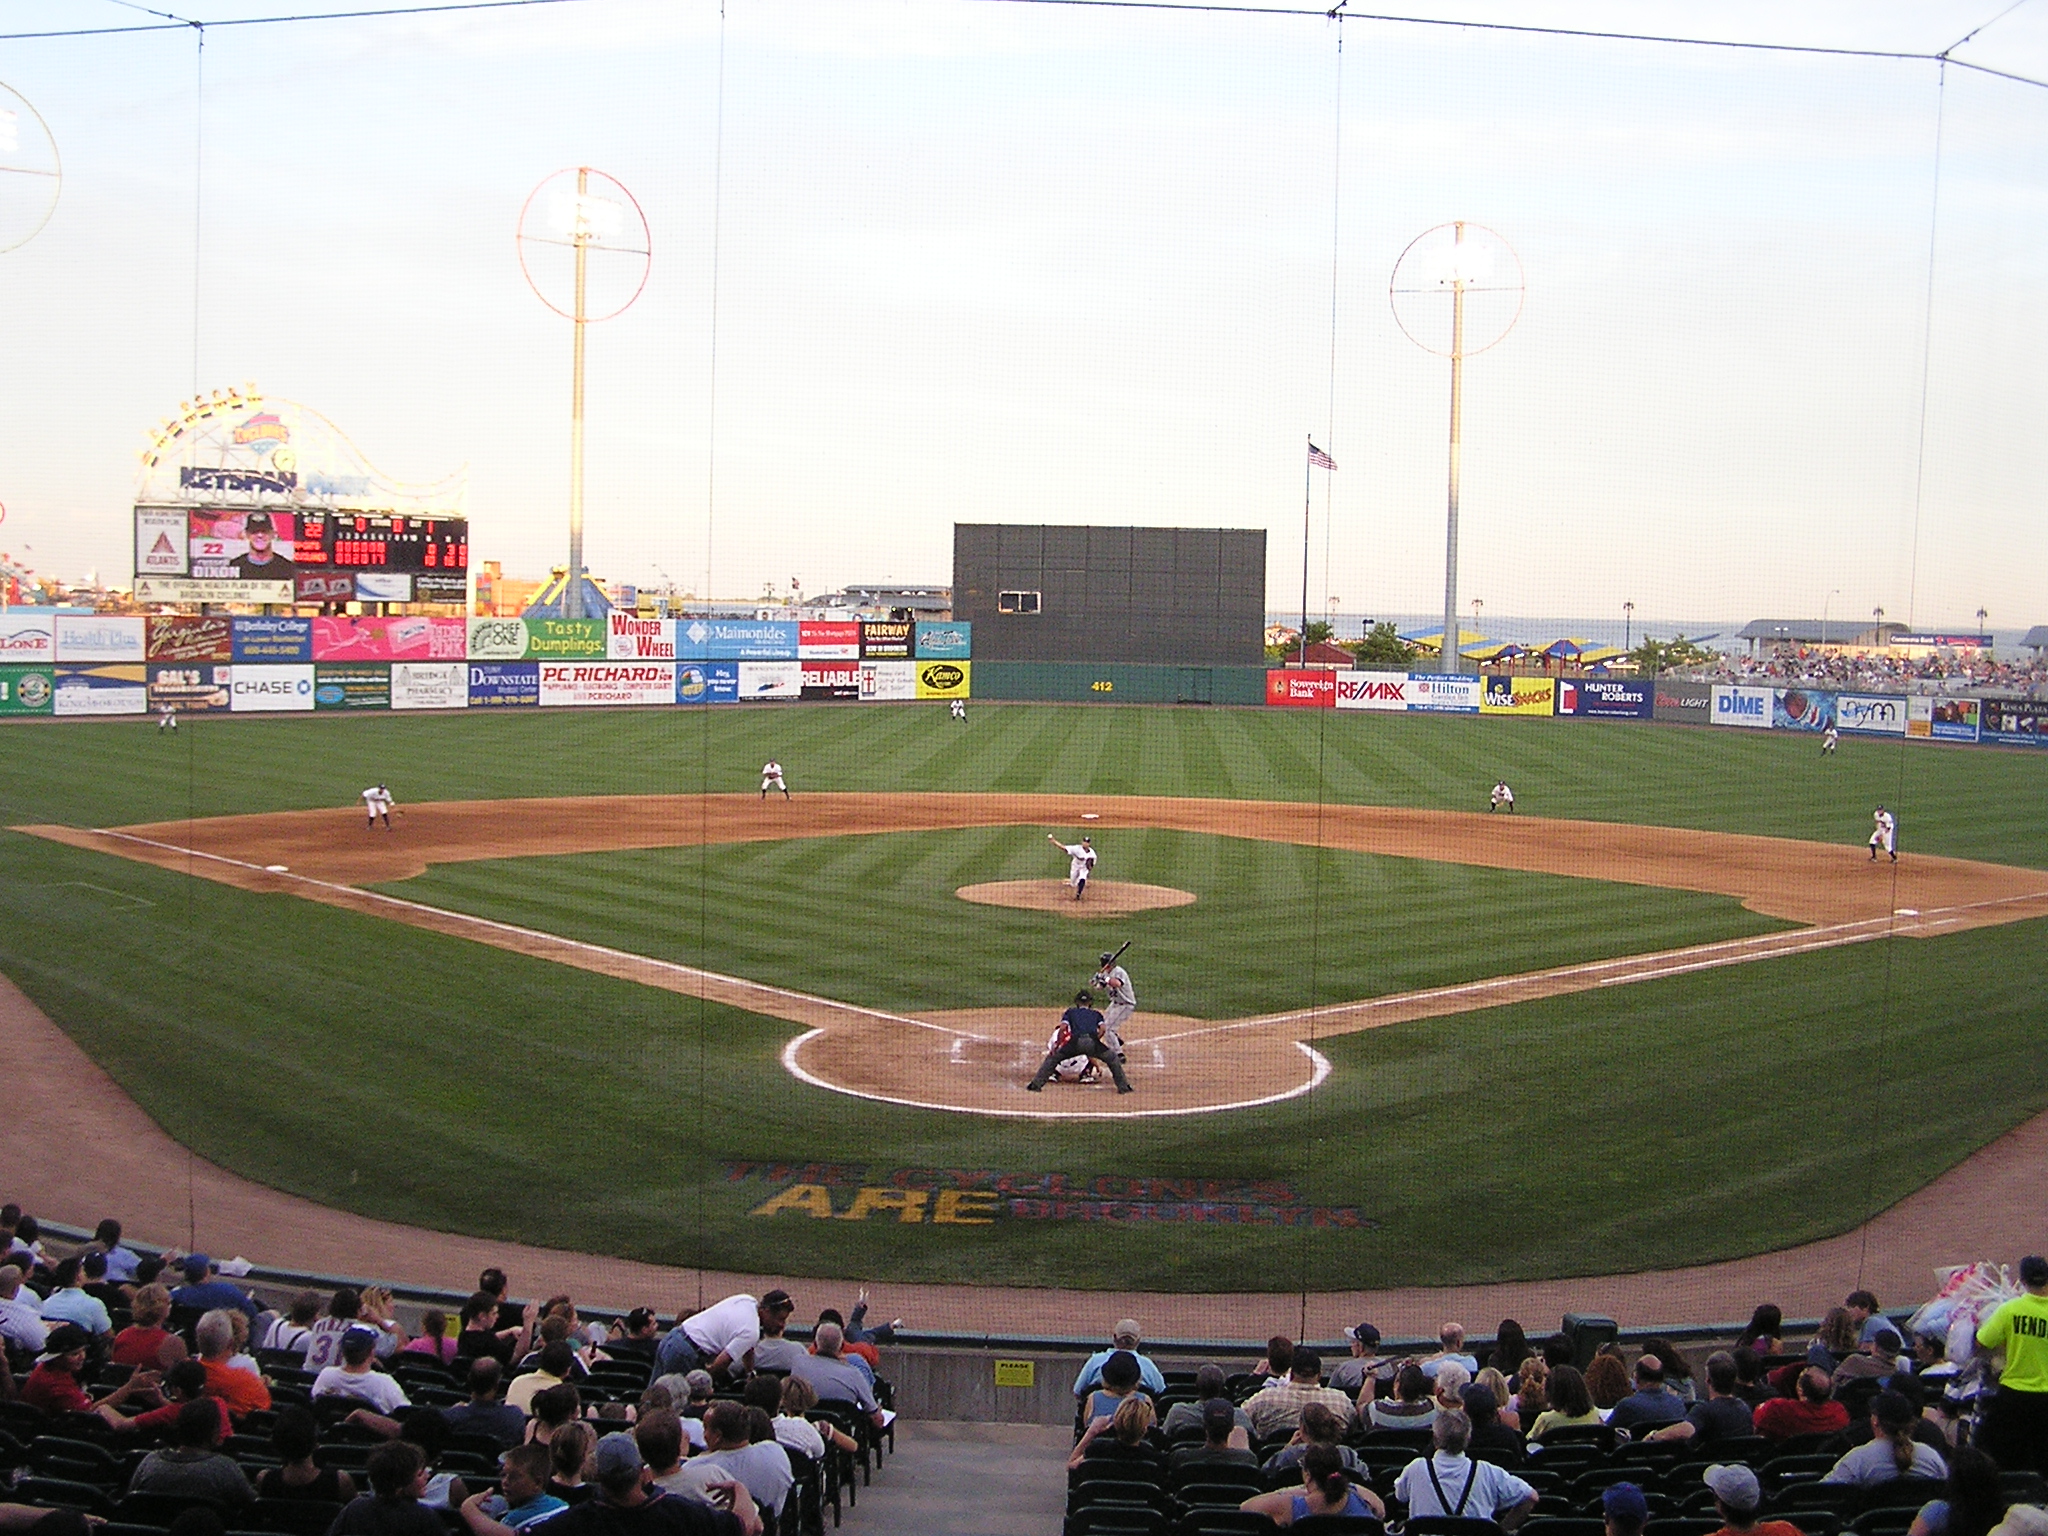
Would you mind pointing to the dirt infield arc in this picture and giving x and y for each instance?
(977, 1061)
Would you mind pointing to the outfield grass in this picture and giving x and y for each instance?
(420, 1078)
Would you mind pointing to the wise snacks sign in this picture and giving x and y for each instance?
(979, 1197)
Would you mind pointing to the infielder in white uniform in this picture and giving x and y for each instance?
(1123, 1001)
(1884, 834)
(377, 802)
(771, 778)
(1080, 862)
(1502, 798)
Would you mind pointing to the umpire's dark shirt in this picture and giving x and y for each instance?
(1082, 1023)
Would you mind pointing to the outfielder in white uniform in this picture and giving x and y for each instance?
(1123, 1001)
(1502, 798)
(377, 802)
(771, 778)
(959, 709)
(1080, 862)
(1884, 834)
(1828, 740)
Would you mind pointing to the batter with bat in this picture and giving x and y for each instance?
(1123, 998)
(1081, 1026)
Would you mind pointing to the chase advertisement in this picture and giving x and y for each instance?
(263, 688)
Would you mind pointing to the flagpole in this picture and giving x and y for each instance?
(1307, 465)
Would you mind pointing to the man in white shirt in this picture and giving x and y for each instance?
(357, 1376)
(722, 1337)
(1451, 1483)
(20, 1323)
(728, 1457)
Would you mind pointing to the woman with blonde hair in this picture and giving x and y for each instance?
(1125, 1441)
(141, 1343)
(1497, 1384)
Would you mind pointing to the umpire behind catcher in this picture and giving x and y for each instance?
(1080, 1035)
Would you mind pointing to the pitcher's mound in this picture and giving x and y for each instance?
(1105, 898)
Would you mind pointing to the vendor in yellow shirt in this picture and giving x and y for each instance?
(2015, 1429)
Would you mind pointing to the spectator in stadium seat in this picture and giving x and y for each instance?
(1448, 1482)
(242, 1390)
(1326, 1489)
(1677, 1369)
(1835, 1340)
(1125, 1335)
(1737, 1498)
(1450, 1381)
(1121, 1439)
(1750, 1385)
(397, 1473)
(434, 1340)
(1891, 1452)
(525, 1500)
(731, 1454)
(1510, 1348)
(1184, 1419)
(623, 1507)
(1503, 1397)
(1529, 1400)
(1451, 1351)
(68, 1302)
(1276, 1407)
(486, 1413)
(1364, 1365)
(660, 1438)
(1571, 1405)
(205, 1291)
(1225, 1442)
(1722, 1416)
(1764, 1332)
(1624, 1509)
(1970, 1505)
(191, 1467)
(1651, 1403)
(1558, 1350)
(183, 1383)
(569, 1451)
(776, 1351)
(121, 1262)
(1606, 1380)
(1813, 1411)
(1864, 1314)
(636, 1336)
(1410, 1407)
(1482, 1407)
(480, 1336)
(557, 1361)
(296, 1437)
(53, 1385)
(833, 1379)
(1877, 1360)
(799, 1401)
(357, 1376)
(293, 1331)
(1279, 1356)
(1319, 1426)
(556, 1328)
(1119, 1381)
(21, 1321)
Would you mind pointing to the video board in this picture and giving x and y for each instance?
(265, 555)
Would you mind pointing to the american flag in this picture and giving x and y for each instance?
(1318, 459)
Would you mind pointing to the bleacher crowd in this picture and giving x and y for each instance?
(1880, 671)
(149, 1395)
(1859, 1430)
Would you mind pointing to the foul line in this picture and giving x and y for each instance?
(1319, 1070)
(356, 893)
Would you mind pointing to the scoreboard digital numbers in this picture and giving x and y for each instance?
(377, 541)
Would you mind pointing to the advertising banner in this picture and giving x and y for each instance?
(943, 679)
(1517, 696)
(28, 690)
(261, 638)
(184, 637)
(565, 639)
(632, 638)
(1303, 690)
(412, 638)
(888, 640)
(1439, 693)
(265, 687)
(430, 684)
(97, 637)
(820, 640)
(1595, 698)
(187, 589)
(1872, 714)
(1683, 703)
(160, 544)
(497, 639)
(607, 682)
(440, 587)
(1795, 709)
(503, 684)
(325, 587)
(1941, 719)
(28, 637)
(1357, 690)
(736, 639)
(771, 680)
(383, 586)
(836, 679)
(351, 685)
(707, 682)
(112, 689)
(1750, 707)
(2009, 722)
(884, 680)
(944, 640)
(190, 688)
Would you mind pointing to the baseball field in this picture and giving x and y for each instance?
(591, 992)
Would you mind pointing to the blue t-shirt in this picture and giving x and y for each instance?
(1082, 1023)
(1353, 1505)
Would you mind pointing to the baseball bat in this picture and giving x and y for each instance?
(1112, 960)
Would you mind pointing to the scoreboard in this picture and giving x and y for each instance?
(382, 541)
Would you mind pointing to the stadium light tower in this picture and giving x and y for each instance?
(571, 216)
(1456, 291)
(31, 175)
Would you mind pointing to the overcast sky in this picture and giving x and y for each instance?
(962, 261)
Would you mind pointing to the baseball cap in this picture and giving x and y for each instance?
(1736, 1486)
(2034, 1270)
(196, 1266)
(62, 1340)
(1218, 1417)
(255, 520)
(1084, 997)
(616, 1456)
(1127, 1328)
(1365, 1334)
(779, 1300)
(1625, 1501)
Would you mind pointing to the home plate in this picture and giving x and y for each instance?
(1905, 911)
(278, 869)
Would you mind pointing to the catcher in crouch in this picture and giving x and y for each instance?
(1080, 1034)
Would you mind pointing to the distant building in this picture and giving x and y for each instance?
(1845, 633)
